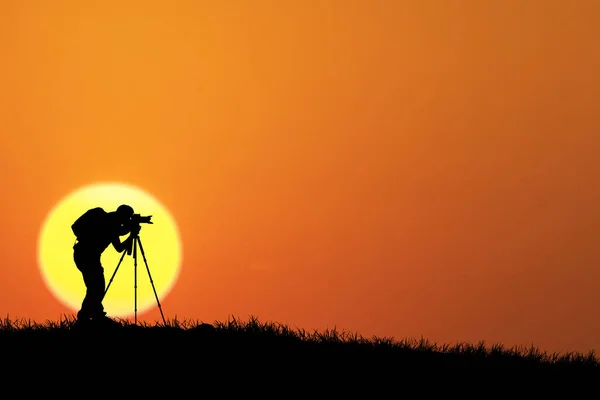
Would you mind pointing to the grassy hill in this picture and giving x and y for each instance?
(237, 348)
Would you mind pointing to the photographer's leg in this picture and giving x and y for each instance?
(95, 291)
(82, 266)
(93, 277)
(91, 307)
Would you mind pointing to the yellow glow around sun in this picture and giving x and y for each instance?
(160, 242)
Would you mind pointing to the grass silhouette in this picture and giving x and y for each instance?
(234, 342)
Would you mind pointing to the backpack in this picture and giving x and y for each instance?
(87, 225)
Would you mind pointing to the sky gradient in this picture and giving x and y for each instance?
(392, 168)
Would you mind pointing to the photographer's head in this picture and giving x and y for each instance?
(124, 213)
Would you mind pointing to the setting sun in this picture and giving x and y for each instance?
(160, 243)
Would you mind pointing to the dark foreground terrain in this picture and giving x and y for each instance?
(157, 357)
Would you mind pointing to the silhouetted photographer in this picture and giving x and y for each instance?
(95, 230)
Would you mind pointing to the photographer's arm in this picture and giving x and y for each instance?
(127, 243)
(124, 230)
(121, 246)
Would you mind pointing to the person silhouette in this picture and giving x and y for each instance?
(95, 230)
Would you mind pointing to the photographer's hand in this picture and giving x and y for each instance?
(128, 245)
(135, 230)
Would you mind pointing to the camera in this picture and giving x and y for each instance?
(137, 219)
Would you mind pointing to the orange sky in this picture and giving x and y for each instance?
(392, 168)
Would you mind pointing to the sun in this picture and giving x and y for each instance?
(160, 240)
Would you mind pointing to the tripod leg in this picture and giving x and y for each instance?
(114, 273)
(135, 280)
(139, 241)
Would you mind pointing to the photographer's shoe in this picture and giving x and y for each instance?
(83, 322)
(105, 321)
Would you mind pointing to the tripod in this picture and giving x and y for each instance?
(136, 242)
